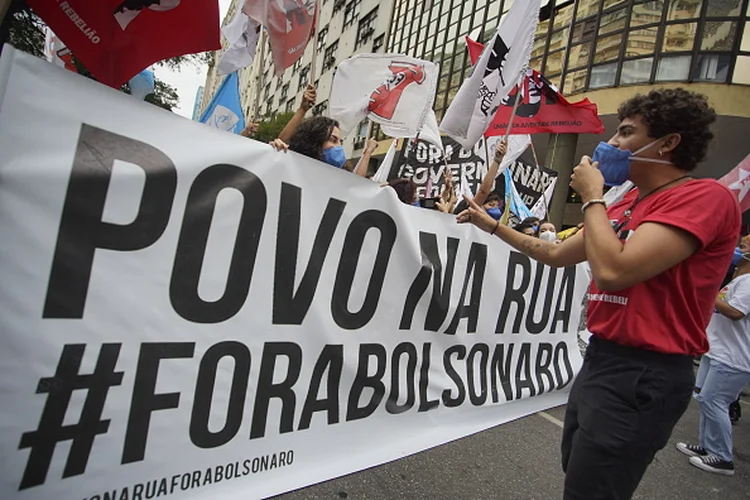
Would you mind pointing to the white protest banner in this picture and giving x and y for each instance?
(190, 314)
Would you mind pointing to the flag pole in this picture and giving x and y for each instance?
(261, 73)
(313, 64)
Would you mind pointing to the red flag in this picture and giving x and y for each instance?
(290, 25)
(542, 108)
(738, 181)
(116, 39)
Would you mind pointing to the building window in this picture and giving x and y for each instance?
(712, 67)
(608, 48)
(636, 71)
(724, 8)
(329, 58)
(304, 77)
(742, 70)
(295, 66)
(646, 13)
(673, 68)
(338, 5)
(322, 36)
(587, 8)
(377, 44)
(614, 21)
(350, 13)
(284, 92)
(319, 109)
(683, 9)
(641, 42)
(603, 76)
(679, 37)
(718, 35)
(366, 27)
(575, 82)
(290, 106)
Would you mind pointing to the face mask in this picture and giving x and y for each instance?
(415, 204)
(494, 212)
(614, 163)
(535, 227)
(548, 236)
(335, 156)
(739, 255)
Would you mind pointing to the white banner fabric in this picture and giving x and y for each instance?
(188, 313)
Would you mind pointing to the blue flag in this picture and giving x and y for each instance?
(225, 110)
(142, 84)
(513, 199)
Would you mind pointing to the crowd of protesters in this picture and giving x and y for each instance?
(662, 250)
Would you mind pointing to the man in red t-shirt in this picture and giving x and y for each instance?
(657, 259)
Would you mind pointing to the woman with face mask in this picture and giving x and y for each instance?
(484, 197)
(548, 232)
(318, 137)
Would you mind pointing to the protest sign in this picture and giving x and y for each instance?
(188, 313)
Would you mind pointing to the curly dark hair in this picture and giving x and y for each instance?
(308, 138)
(493, 196)
(529, 223)
(405, 189)
(670, 111)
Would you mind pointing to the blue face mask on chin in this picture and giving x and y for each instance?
(614, 163)
(738, 256)
(494, 212)
(335, 156)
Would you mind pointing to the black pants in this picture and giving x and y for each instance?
(622, 409)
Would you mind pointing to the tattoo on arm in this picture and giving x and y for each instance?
(535, 249)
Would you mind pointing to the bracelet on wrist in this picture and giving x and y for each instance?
(597, 201)
(497, 225)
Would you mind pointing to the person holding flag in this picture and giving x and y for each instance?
(657, 258)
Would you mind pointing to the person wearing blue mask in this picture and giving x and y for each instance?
(318, 137)
(489, 200)
(657, 258)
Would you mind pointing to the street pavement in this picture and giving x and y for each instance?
(521, 460)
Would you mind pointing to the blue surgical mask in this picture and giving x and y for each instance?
(416, 203)
(535, 227)
(614, 163)
(335, 156)
(494, 212)
(738, 256)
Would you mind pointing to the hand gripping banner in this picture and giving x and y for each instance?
(187, 313)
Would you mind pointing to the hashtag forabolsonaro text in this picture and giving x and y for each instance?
(59, 390)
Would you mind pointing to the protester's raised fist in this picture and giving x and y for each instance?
(500, 150)
(309, 98)
(587, 181)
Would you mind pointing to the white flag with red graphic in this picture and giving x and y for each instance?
(393, 90)
(496, 73)
(738, 181)
(290, 25)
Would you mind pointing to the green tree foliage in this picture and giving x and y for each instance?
(270, 127)
(23, 29)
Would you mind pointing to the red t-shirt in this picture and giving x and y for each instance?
(669, 312)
